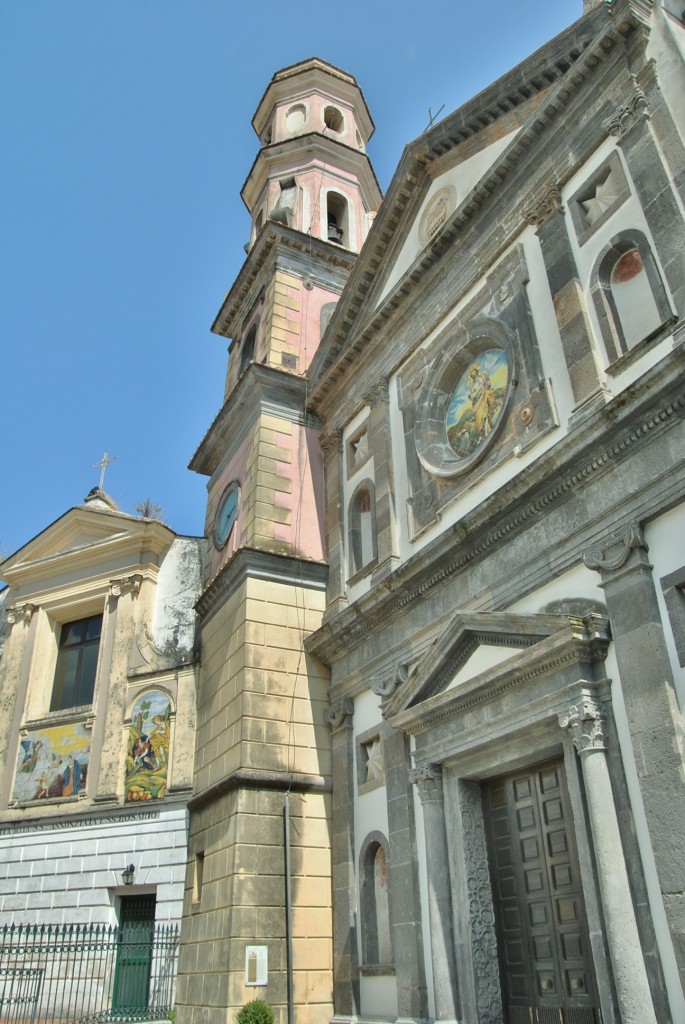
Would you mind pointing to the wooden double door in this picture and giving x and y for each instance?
(543, 944)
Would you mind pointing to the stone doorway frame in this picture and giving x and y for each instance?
(552, 700)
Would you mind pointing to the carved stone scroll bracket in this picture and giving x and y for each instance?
(630, 114)
(385, 686)
(20, 613)
(340, 714)
(586, 722)
(126, 585)
(428, 780)
(545, 207)
(615, 551)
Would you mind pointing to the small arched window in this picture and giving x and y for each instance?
(628, 293)
(375, 902)
(337, 218)
(247, 348)
(362, 527)
(333, 119)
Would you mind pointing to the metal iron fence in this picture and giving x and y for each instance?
(86, 973)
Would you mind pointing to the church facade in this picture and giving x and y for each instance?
(97, 698)
(501, 394)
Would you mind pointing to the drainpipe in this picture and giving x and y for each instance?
(288, 910)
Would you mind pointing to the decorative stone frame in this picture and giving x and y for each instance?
(365, 785)
(505, 718)
(613, 166)
(357, 568)
(432, 445)
(438, 211)
(368, 906)
(498, 314)
(673, 587)
(607, 314)
(351, 465)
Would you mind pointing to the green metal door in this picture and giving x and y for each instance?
(134, 956)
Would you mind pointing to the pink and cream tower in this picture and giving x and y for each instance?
(258, 906)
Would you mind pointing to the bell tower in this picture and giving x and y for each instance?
(260, 814)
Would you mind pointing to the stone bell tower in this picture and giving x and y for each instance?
(257, 912)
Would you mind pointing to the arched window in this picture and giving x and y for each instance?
(337, 218)
(628, 293)
(374, 901)
(247, 348)
(333, 119)
(362, 527)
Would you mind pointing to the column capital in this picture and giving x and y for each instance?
(20, 613)
(586, 721)
(125, 585)
(613, 553)
(428, 780)
(332, 441)
(629, 114)
(339, 715)
(380, 392)
(544, 207)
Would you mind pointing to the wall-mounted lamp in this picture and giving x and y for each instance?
(128, 874)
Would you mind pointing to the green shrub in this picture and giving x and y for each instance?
(255, 1012)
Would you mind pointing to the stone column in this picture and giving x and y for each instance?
(405, 902)
(380, 442)
(630, 126)
(335, 519)
(654, 718)
(586, 723)
(109, 702)
(583, 362)
(428, 779)
(16, 664)
(345, 948)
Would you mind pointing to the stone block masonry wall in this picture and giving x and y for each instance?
(69, 872)
(262, 700)
(242, 902)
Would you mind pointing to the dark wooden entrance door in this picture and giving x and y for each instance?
(134, 955)
(542, 935)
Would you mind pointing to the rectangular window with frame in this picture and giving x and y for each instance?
(77, 662)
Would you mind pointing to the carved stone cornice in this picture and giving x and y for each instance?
(126, 585)
(428, 780)
(380, 392)
(629, 114)
(586, 722)
(340, 714)
(332, 441)
(539, 213)
(615, 551)
(20, 613)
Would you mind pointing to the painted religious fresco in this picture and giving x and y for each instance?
(52, 763)
(476, 402)
(148, 747)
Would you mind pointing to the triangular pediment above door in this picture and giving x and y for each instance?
(470, 643)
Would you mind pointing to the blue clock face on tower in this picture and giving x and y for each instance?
(226, 515)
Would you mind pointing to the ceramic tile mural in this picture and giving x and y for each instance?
(148, 747)
(52, 762)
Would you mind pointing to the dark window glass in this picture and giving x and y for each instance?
(76, 663)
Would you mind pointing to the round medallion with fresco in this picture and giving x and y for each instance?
(476, 402)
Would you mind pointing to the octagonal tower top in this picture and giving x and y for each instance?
(313, 96)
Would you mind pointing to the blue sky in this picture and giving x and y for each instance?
(126, 133)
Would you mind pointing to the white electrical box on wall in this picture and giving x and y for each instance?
(256, 965)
